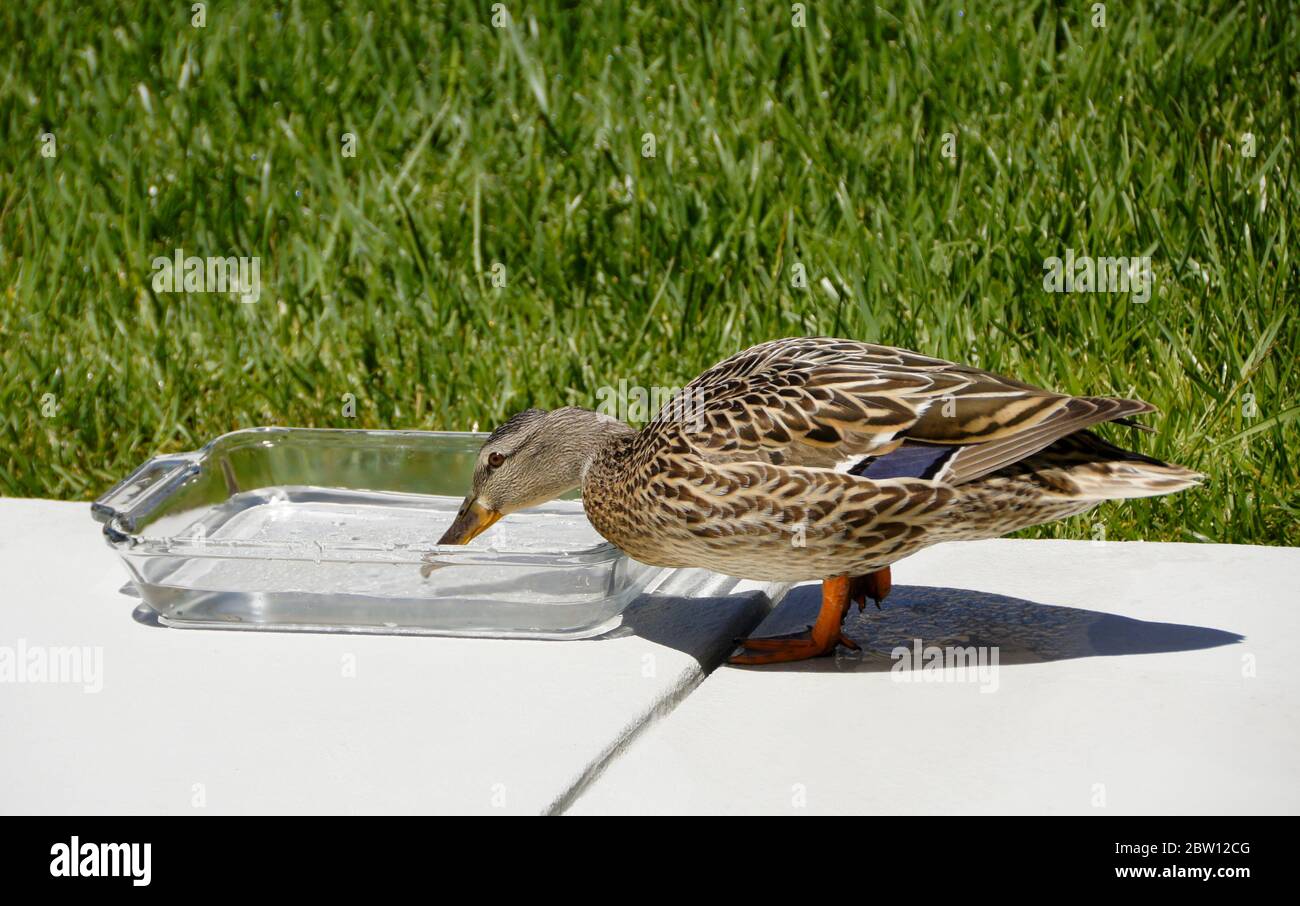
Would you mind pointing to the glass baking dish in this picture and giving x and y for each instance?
(326, 530)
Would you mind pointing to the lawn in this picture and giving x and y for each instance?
(456, 220)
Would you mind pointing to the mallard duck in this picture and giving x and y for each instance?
(818, 458)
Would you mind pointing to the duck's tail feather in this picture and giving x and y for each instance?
(1076, 414)
(1085, 467)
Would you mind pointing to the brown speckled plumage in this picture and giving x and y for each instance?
(749, 473)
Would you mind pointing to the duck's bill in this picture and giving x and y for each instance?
(473, 520)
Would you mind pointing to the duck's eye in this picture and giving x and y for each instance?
(495, 459)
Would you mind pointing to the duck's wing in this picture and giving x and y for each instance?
(842, 404)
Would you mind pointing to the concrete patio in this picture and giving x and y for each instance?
(1130, 678)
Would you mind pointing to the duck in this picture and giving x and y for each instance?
(818, 458)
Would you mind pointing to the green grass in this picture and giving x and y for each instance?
(522, 146)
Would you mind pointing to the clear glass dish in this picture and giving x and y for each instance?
(326, 530)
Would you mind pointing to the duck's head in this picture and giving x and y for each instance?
(534, 457)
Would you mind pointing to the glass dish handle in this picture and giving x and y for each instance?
(134, 497)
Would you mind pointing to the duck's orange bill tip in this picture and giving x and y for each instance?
(473, 520)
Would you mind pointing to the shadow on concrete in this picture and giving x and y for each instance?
(701, 627)
(1024, 632)
(146, 616)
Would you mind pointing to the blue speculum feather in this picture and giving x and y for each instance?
(908, 461)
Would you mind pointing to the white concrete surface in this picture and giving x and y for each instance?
(1133, 678)
(203, 722)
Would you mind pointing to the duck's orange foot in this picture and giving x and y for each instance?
(815, 641)
(874, 586)
(795, 646)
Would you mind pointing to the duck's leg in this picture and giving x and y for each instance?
(874, 586)
(818, 639)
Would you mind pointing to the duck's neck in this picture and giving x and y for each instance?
(595, 441)
(609, 483)
(609, 442)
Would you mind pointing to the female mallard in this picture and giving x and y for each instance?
(813, 458)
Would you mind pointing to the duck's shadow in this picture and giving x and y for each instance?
(703, 627)
(1023, 632)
